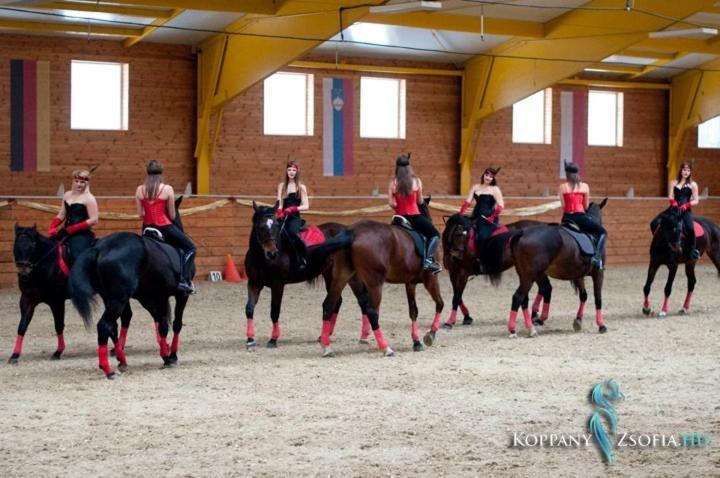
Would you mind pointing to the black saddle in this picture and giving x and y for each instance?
(418, 239)
(586, 242)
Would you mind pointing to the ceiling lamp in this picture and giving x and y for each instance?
(426, 5)
(697, 33)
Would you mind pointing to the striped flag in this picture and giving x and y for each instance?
(573, 129)
(338, 126)
(29, 115)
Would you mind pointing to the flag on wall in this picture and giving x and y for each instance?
(29, 115)
(338, 126)
(573, 129)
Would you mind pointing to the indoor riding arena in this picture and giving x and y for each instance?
(539, 161)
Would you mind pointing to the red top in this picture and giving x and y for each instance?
(574, 202)
(406, 205)
(155, 211)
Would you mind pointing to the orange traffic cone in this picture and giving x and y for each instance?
(231, 272)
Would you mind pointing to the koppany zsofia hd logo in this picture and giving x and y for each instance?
(602, 430)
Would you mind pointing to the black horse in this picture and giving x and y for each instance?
(122, 266)
(667, 249)
(41, 280)
(268, 263)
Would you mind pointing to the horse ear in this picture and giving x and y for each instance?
(34, 227)
(428, 198)
(254, 206)
(178, 200)
(17, 227)
(603, 202)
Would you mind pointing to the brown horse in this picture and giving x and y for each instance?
(462, 262)
(550, 251)
(667, 249)
(381, 253)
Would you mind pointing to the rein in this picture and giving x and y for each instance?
(32, 265)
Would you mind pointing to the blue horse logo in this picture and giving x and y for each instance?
(602, 396)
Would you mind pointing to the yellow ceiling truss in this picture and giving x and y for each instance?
(50, 27)
(459, 23)
(157, 23)
(131, 11)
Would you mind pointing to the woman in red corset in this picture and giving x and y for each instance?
(78, 214)
(575, 199)
(405, 196)
(156, 207)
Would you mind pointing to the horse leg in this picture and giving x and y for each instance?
(253, 296)
(275, 303)
(536, 307)
(362, 297)
(518, 298)
(598, 277)
(459, 282)
(338, 305)
(430, 281)
(413, 309)
(159, 309)
(375, 296)
(582, 292)
(672, 270)
(57, 308)
(180, 303)
(341, 276)
(691, 281)
(27, 309)
(652, 270)
(125, 318)
(106, 328)
(545, 294)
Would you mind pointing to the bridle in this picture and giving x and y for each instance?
(29, 265)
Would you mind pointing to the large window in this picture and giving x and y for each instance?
(709, 133)
(605, 118)
(99, 95)
(382, 108)
(288, 104)
(532, 118)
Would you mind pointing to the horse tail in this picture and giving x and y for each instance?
(82, 287)
(318, 255)
(713, 249)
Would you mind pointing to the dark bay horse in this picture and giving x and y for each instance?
(122, 266)
(550, 251)
(268, 264)
(667, 249)
(461, 263)
(41, 280)
(381, 253)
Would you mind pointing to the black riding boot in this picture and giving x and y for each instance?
(692, 241)
(186, 284)
(300, 252)
(429, 263)
(599, 248)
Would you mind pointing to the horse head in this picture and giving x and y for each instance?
(25, 248)
(266, 231)
(456, 235)
(671, 228)
(177, 221)
(595, 210)
(425, 207)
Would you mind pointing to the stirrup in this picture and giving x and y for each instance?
(187, 288)
(694, 254)
(597, 263)
(433, 267)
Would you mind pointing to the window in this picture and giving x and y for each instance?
(709, 133)
(532, 118)
(605, 118)
(382, 108)
(288, 105)
(98, 95)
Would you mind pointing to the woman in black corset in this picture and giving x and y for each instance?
(79, 212)
(488, 202)
(683, 194)
(292, 198)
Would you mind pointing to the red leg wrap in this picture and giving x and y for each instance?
(250, 329)
(545, 312)
(415, 332)
(666, 304)
(527, 319)
(175, 343)
(365, 328)
(464, 309)
(453, 317)
(436, 322)
(103, 362)
(325, 334)
(536, 303)
(646, 302)
(333, 321)
(512, 321)
(686, 305)
(275, 331)
(599, 319)
(18, 345)
(380, 339)
(581, 310)
(61, 343)
(163, 348)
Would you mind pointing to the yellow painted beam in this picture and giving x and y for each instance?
(265, 7)
(157, 23)
(475, 79)
(639, 85)
(398, 70)
(654, 66)
(459, 23)
(105, 8)
(652, 55)
(572, 42)
(69, 28)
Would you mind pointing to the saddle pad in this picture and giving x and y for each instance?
(173, 254)
(583, 240)
(418, 240)
(699, 231)
(312, 236)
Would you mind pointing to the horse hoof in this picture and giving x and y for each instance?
(447, 326)
(112, 352)
(250, 344)
(429, 339)
(364, 341)
(122, 367)
(513, 335)
(389, 352)
(13, 360)
(112, 376)
(172, 358)
(533, 333)
(418, 346)
(272, 344)
(577, 324)
(682, 311)
(647, 310)
(534, 315)
(328, 353)
(662, 314)
(56, 355)
(602, 329)
(537, 321)
(467, 320)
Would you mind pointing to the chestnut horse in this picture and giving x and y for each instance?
(667, 249)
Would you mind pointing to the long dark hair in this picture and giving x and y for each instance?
(296, 165)
(571, 174)
(679, 174)
(154, 179)
(404, 175)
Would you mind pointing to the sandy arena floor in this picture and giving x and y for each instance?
(449, 410)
